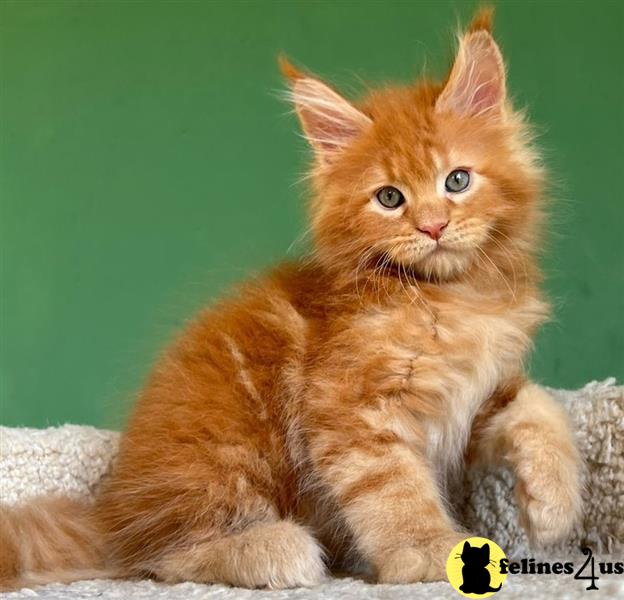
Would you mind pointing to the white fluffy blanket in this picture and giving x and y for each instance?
(73, 459)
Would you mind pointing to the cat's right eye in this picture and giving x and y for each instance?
(389, 197)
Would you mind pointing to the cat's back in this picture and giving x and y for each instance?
(241, 355)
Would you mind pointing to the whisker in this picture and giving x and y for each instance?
(500, 273)
(520, 256)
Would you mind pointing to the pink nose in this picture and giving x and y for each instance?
(433, 230)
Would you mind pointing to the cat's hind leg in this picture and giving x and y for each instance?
(207, 511)
(278, 554)
(209, 531)
(209, 538)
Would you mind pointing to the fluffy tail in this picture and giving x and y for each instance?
(49, 539)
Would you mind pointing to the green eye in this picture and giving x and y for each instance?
(390, 197)
(457, 181)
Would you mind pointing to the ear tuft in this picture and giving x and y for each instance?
(329, 122)
(482, 21)
(288, 70)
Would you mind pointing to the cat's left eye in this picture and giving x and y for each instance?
(457, 181)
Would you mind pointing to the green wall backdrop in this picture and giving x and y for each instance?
(147, 162)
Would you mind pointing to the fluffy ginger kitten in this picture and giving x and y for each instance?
(316, 418)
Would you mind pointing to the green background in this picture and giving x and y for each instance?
(147, 162)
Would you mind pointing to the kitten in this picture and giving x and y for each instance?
(317, 414)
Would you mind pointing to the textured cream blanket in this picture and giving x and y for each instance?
(73, 459)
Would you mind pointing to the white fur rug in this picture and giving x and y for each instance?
(73, 460)
(527, 587)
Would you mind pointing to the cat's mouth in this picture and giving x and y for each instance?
(437, 263)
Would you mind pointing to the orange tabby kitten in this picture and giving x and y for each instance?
(317, 415)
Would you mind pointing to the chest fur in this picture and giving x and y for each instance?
(443, 363)
(475, 354)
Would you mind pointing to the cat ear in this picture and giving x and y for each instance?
(467, 546)
(485, 550)
(476, 84)
(329, 122)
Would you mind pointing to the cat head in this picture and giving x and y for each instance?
(475, 556)
(429, 179)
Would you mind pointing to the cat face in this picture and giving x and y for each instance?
(428, 179)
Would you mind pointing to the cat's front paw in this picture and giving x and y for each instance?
(422, 562)
(550, 502)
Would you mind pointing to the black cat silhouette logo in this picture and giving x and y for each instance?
(476, 576)
(473, 567)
